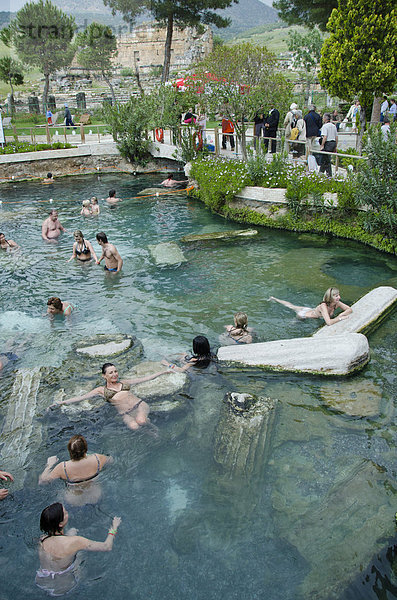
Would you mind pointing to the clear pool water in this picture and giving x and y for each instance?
(189, 531)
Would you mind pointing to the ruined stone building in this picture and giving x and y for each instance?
(144, 46)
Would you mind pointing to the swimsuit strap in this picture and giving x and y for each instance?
(66, 473)
(99, 464)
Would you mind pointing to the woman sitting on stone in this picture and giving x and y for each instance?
(82, 249)
(325, 310)
(240, 332)
(79, 472)
(133, 410)
(201, 357)
(58, 550)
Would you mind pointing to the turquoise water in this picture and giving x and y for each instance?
(188, 530)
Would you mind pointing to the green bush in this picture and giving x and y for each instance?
(377, 183)
(219, 180)
(16, 147)
(272, 174)
(127, 72)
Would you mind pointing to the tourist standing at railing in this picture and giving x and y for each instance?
(384, 109)
(287, 123)
(259, 124)
(299, 123)
(313, 123)
(271, 125)
(329, 143)
(353, 115)
(227, 133)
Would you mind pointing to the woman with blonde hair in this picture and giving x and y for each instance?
(82, 248)
(86, 210)
(325, 310)
(240, 332)
(79, 472)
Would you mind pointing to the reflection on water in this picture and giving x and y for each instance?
(316, 504)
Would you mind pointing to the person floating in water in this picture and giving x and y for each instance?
(240, 332)
(112, 198)
(7, 244)
(133, 410)
(52, 228)
(325, 310)
(94, 206)
(4, 475)
(55, 306)
(58, 549)
(49, 178)
(80, 472)
(86, 210)
(201, 357)
(82, 248)
(171, 182)
(113, 260)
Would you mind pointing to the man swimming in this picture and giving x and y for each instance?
(113, 260)
(112, 198)
(51, 228)
(7, 244)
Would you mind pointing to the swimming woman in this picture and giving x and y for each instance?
(325, 310)
(82, 248)
(201, 357)
(7, 244)
(55, 306)
(133, 410)
(240, 332)
(57, 550)
(94, 206)
(79, 472)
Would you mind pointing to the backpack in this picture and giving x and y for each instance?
(294, 129)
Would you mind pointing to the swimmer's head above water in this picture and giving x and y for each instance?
(54, 305)
(53, 519)
(201, 346)
(102, 238)
(86, 203)
(332, 295)
(77, 447)
(241, 320)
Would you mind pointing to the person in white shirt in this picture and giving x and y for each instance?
(353, 115)
(329, 142)
(383, 109)
(385, 128)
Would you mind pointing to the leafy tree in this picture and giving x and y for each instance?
(42, 36)
(170, 13)
(306, 51)
(305, 12)
(11, 72)
(97, 46)
(359, 58)
(238, 80)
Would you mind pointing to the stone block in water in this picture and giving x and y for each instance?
(151, 192)
(167, 253)
(162, 391)
(368, 312)
(20, 434)
(339, 536)
(242, 435)
(107, 346)
(358, 398)
(347, 353)
(219, 235)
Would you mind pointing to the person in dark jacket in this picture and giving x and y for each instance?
(271, 125)
(313, 125)
(68, 117)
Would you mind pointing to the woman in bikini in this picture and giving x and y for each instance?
(80, 472)
(55, 306)
(57, 550)
(201, 357)
(240, 332)
(325, 310)
(82, 249)
(133, 410)
(7, 244)
(94, 206)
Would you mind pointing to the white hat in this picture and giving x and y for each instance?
(293, 106)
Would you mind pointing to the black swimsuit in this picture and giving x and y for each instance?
(84, 251)
(86, 478)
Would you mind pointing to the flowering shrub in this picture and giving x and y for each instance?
(15, 147)
(219, 179)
